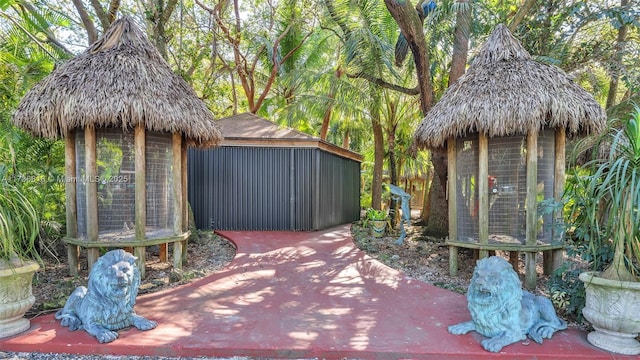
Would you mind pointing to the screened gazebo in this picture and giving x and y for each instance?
(127, 121)
(505, 124)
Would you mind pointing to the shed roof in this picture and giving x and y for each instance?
(505, 92)
(247, 129)
(121, 80)
(250, 126)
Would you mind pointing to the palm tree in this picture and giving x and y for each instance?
(28, 52)
(29, 32)
(367, 34)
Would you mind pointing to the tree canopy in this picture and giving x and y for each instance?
(329, 68)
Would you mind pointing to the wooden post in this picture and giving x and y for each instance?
(164, 252)
(483, 192)
(70, 178)
(177, 197)
(140, 195)
(452, 196)
(91, 181)
(531, 206)
(185, 199)
(553, 258)
(514, 260)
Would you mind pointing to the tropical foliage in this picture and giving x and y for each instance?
(19, 225)
(606, 205)
(30, 168)
(325, 67)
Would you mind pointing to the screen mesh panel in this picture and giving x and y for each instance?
(159, 186)
(115, 163)
(546, 173)
(467, 173)
(506, 188)
(80, 180)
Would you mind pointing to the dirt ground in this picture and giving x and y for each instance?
(207, 253)
(421, 257)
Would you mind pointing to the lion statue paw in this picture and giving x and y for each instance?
(106, 305)
(502, 311)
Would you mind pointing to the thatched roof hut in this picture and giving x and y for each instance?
(119, 81)
(505, 92)
(127, 121)
(505, 124)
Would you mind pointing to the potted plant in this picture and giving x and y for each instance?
(19, 227)
(377, 220)
(608, 214)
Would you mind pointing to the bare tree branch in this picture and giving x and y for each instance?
(92, 33)
(523, 10)
(113, 10)
(102, 16)
(411, 27)
(276, 65)
(51, 39)
(385, 84)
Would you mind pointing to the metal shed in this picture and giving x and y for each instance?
(268, 177)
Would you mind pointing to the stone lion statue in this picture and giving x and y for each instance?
(502, 311)
(107, 304)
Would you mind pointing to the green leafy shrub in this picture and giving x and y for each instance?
(376, 215)
(567, 291)
(605, 202)
(19, 226)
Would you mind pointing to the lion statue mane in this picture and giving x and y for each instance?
(107, 304)
(502, 311)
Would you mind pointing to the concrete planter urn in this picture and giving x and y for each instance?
(613, 308)
(16, 298)
(378, 227)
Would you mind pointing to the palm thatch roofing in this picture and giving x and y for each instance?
(121, 80)
(505, 92)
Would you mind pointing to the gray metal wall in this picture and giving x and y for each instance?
(261, 188)
(338, 195)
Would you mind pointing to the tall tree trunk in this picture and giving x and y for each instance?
(410, 25)
(426, 198)
(92, 33)
(158, 14)
(617, 61)
(326, 119)
(378, 145)
(393, 167)
(437, 218)
(108, 16)
(376, 185)
(346, 139)
(460, 42)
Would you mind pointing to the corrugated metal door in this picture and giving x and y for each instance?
(260, 188)
(338, 192)
(240, 188)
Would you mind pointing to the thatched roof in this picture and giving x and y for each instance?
(505, 92)
(119, 81)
